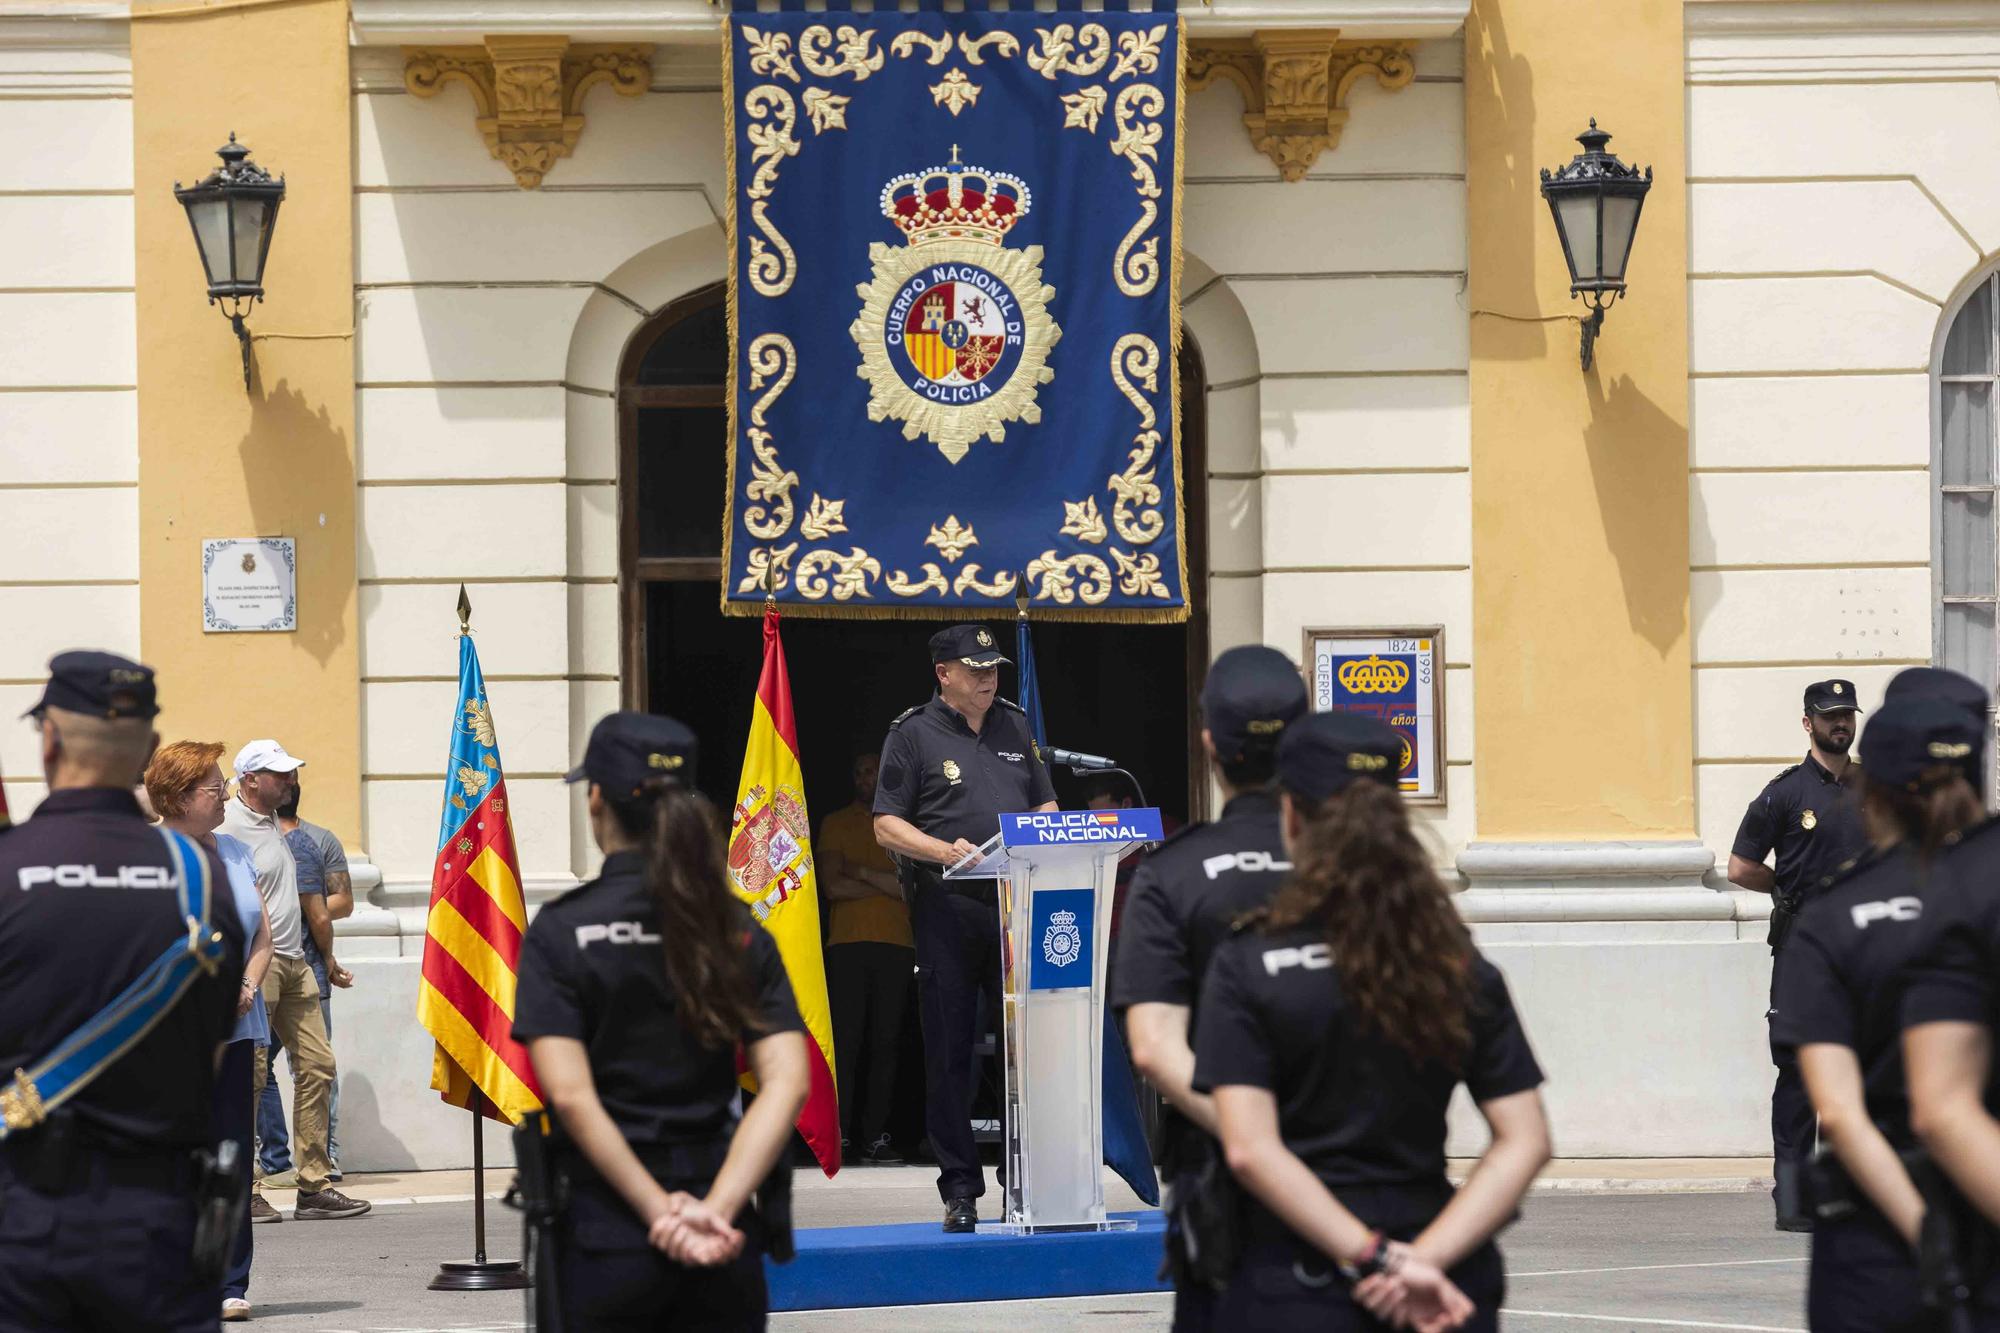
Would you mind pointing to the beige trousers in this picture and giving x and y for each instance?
(292, 998)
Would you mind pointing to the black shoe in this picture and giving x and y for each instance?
(1795, 1223)
(961, 1215)
(882, 1153)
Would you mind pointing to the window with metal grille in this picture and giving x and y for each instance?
(1964, 551)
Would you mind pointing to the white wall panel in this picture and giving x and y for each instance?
(1417, 130)
(1388, 324)
(593, 629)
(1821, 421)
(1849, 616)
(552, 235)
(1328, 226)
(455, 532)
(1294, 602)
(1233, 429)
(1754, 713)
(69, 437)
(1236, 613)
(1368, 519)
(1722, 792)
(590, 435)
(1812, 324)
(1780, 518)
(422, 433)
(478, 335)
(411, 629)
(1857, 128)
(42, 622)
(1888, 227)
(78, 144)
(67, 338)
(593, 531)
(88, 533)
(407, 726)
(66, 240)
(1371, 422)
(1235, 527)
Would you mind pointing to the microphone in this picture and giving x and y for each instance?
(1094, 762)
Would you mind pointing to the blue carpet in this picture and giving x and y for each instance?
(914, 1263)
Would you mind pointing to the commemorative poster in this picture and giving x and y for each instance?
(1396, 675)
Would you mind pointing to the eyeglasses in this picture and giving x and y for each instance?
(215, 789)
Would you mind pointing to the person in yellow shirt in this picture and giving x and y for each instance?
(870, 958)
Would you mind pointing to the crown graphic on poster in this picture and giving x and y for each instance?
(956, 202)
(1063, 918)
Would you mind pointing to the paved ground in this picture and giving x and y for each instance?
(1578, 1262)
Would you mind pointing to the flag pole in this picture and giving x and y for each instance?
(479, 1275)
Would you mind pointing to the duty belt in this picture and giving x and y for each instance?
(124, 1023)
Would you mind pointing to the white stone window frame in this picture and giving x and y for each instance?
(1965, 491)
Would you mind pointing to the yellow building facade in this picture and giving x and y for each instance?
(487, 357)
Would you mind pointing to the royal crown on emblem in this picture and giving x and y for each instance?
(956, 202)
(1062, 918)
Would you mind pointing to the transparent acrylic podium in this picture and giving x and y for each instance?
(1057, 872)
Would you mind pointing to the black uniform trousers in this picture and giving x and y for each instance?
(609, 1279)
(1283, 1283)
(1794, 1126)
(868, 984)
(108, 1253)
(1864, 1279)
(958, 959)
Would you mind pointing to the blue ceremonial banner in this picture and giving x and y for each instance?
(954, 309)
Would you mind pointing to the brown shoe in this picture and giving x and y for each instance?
(328, 1204)
(262, 1211)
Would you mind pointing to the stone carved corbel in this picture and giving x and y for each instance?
(529, 91)
(1295, 86)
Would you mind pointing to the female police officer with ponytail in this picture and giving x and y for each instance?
(1839, 1004)
(1333, 1032)
(635, 991)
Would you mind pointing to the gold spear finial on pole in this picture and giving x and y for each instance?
(1021, 593)
(464, 611)
(770, 596)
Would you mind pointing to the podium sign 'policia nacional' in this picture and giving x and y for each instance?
(954, 308)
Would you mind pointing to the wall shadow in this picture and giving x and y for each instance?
(1499, 127)
(294, 460)
(1642, 513)
(366, 1141)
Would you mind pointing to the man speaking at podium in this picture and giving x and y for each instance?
(950, 769)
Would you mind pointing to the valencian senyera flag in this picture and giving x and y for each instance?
(472, 938)
(954, 307)
(771, 868)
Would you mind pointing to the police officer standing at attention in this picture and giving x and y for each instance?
(950, 768)
(1333, 1033)
(635, 992)
(99, 1174)
(1184, 900)
(1839, 1008)
(1809, 815)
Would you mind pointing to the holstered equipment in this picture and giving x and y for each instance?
(222, 1195)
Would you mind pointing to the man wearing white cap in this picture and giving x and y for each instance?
(264, 779)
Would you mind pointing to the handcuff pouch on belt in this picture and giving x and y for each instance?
(1204, 1217)
(1784, 915)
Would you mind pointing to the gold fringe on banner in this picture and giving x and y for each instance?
(730, 320)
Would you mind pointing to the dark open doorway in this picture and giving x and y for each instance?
(1120, 690)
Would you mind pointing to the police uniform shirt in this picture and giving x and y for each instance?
(593, 969)
(1813, 821)
(952, 782)
(1186, 897)
(1353, 1106)
(1952, 973)
(1843, 976)
(87, 903)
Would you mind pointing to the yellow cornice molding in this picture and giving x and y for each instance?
(1295, 85)
(528, 91)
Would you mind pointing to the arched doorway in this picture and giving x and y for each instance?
(1122, 690)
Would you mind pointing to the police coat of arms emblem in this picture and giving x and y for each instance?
(954, 329)
(1062, 942)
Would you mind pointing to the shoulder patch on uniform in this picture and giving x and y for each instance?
(905, 716)
(1784, 773)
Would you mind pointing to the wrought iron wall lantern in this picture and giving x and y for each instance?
(233, 211)
(1596, 201)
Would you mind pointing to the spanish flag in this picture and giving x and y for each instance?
(771, 867)
(472, 939)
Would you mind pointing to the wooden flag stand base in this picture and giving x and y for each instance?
(479, 1275)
